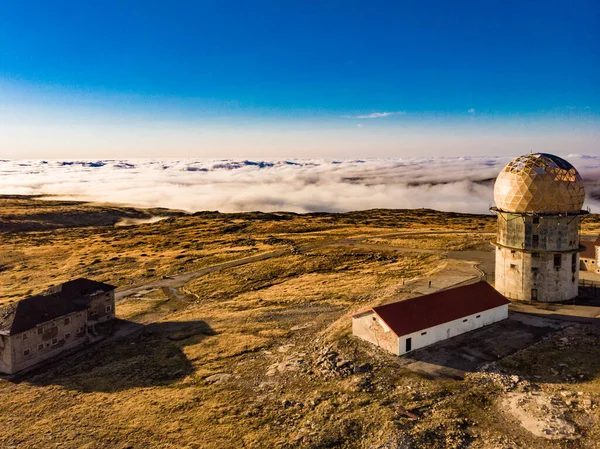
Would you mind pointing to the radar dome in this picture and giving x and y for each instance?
(539, 183)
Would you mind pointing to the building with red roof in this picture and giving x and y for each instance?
(590, 257)
(414, 323)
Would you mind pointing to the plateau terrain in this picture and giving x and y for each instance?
(234, 331)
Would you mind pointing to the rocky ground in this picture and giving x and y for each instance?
(260, 355)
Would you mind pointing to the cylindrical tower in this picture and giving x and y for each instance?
(538, 202)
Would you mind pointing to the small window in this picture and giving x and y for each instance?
(25, 336)
(80, 330)
(465, 320)
(513, 266)
(534, 269)
(512, 251)
(108, 308)
(40, 330)
(557, 260)
(478, 316)
(536, 220)
(26, 352)
(54, 341)
(423, 333)
(536, 241)
(40, 346)
(535, 255)
(67, 320)
(67, 335)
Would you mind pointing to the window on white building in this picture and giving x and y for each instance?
(26, 352)
(54, 341)
(40, 346)
(108, 308)
(25, 336)
(465, 320)
(423, 333)
(478, 316)
(67, 335)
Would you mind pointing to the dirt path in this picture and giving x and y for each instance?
(180, 280)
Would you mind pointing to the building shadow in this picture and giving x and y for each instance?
(471, 351)
(565, 359)
(149, 356)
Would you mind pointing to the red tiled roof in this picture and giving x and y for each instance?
(590, 249)
(422, 312)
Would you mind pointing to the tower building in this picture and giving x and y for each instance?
(538, 203)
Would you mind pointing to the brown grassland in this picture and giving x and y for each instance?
(261, 355)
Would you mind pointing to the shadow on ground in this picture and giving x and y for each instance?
(151, 356)
(470, 351)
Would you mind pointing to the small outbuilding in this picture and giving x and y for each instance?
(590, 256)
(414, 323)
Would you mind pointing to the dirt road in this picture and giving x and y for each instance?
(180, 280)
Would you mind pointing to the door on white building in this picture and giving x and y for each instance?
(408, 344)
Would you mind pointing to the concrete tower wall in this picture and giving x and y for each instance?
(537, 256)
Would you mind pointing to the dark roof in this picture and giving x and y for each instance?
(590, 249)
(80, 287)
(29, 312)
(58, 301)
(422, 312)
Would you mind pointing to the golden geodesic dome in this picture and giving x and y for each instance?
(539, 183)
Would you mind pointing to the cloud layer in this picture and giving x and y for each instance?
(461, 184)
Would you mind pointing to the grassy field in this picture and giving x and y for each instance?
(261, 355)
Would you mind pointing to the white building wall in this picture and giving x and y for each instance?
(371, 328)
(451, 329)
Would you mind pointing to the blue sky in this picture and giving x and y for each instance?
(298, 78)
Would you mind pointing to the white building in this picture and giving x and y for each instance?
(414, 323)
(590, 257)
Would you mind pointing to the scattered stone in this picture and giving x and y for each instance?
(302, 326)
(218, 378)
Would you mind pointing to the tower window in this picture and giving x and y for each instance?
(536, 220)
(513, 266)
(557, 260)
(534, 269)
(535, 240)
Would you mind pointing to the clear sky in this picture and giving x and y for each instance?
(280, 78)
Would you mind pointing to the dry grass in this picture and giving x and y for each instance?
(151, 389)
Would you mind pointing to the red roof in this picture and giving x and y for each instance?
(422, 312)
(590, 249)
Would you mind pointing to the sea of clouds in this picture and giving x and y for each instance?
(461, 184)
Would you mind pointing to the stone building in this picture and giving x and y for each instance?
(590, 257)
(538, 203)
(40, 327)
(414, 323)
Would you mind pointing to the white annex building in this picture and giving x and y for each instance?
(414, 323)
